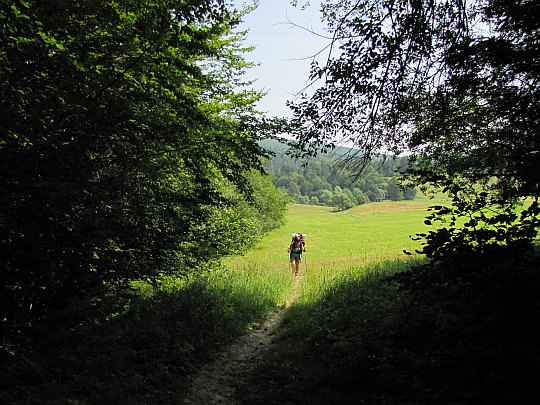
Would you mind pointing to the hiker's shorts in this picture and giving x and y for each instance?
(296, 257)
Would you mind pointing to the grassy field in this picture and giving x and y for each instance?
(365, 234)
(354, 332)
(338, 244)
(349, 253)
(145, 349)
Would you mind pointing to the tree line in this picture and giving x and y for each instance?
(322, 180)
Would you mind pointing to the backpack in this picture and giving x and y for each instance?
(302, 238)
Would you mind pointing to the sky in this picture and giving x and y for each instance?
(283, 51)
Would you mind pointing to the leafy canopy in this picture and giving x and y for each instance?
(120, 121)
(454, 83)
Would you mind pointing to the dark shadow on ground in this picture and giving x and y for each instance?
(464, 334)
(145, 353)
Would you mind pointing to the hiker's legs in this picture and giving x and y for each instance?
(294, 265)
(295, 262)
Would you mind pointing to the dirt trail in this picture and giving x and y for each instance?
(216, 382)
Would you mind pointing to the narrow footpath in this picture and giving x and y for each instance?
(216, 382)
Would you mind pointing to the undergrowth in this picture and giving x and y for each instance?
(430, 335)
(140, 349)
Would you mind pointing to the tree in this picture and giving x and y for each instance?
(350, 197)
(373, 191)
(302, 199)
(341, 201)
(455, 83)
(294, 189)
(394, 192)
(241, 221)
(360, 196)
(119, 122)
(326, 197)
(409, 193)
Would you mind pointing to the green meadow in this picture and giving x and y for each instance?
(339, 242)
(363, 242)
(343, 298)
(360, 326)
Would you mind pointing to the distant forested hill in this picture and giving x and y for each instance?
(322, 181)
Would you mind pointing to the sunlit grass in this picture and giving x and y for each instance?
(366, 234)
(253, 284)
(339, 244)
(251, 288)
(323, 281)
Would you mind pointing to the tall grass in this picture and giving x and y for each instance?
(325, 348)
(362, 331)
(227, 300)
(344, 298)
(258, 288)
(143, 348)
(324, 281)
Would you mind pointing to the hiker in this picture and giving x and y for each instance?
(295, 250)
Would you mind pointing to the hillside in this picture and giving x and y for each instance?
(327, 180)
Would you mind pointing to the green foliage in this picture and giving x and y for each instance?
(394, 191)
(485, 231)
(118, 123)
(454, 83)
(239, 222)
(314, 181)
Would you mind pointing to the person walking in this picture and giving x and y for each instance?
(295, 250)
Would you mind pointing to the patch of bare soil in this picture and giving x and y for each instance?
(216, 382)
